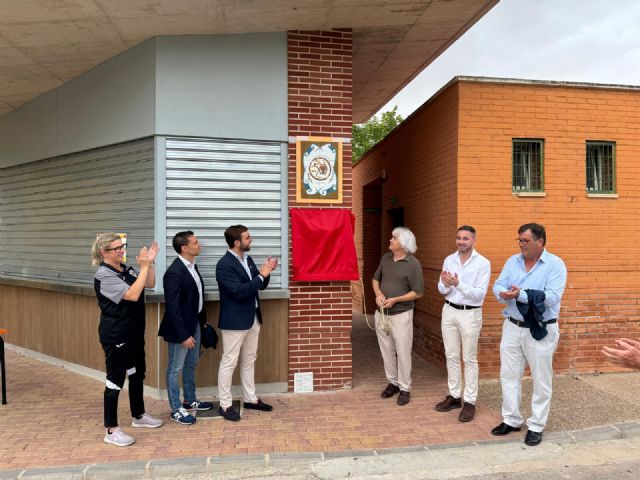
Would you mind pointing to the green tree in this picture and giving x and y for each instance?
(366, 135)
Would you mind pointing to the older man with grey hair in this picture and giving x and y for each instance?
(397, 284)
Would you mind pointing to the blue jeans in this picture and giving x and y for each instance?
(183, 360)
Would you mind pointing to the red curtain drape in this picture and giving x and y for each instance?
(323, 245)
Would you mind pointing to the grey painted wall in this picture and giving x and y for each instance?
(223, 86)
(111, 103)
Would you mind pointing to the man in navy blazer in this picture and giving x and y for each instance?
(239, 281)
(180, 327)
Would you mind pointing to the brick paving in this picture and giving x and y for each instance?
(54, 417)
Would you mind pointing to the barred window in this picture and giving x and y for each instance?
(527, 165)
(600, 167)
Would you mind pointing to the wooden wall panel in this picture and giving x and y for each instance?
(65, 326)
(61, 325)
(272, 362)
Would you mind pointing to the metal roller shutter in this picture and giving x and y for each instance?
(212, 184)
(51, 210)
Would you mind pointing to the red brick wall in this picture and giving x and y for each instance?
(454, 157)
(419, 160)
(592, 235)
(320, 104)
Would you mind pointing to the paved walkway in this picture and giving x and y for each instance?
(52, 427)
(55, 418)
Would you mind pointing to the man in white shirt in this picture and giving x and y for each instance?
(464, 281)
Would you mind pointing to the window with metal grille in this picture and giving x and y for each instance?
(527, 165)
(600, 167)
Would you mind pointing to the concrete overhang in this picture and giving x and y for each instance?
(45, 43)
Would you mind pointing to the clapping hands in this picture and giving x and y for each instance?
(268, 266)
(147, 255)
(511, 294)
(449, 279)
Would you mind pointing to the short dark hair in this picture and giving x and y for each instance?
(467, 228)
(233, 233)
(181, 239)
(537, 231)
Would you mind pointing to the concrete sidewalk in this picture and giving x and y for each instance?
(54, 420)
(599, 453)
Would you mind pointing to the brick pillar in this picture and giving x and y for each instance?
(320, 104)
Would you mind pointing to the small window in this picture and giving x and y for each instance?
(527, 165)
(600, 167)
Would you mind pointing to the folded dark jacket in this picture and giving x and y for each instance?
(532, 313)
(209, 337)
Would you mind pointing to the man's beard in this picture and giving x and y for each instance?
(245, 248)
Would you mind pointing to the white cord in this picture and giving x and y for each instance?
(384, 321)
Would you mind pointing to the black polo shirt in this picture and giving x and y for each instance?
(121, 321)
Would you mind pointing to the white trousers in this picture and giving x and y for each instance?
(517, 348)
(242, 344)
(461, 329)
(396, 348)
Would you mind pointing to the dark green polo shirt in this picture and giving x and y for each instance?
(399, 278)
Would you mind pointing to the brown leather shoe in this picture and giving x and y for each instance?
(404, 398)
(449, 403)
(390, 391)
(467, 413)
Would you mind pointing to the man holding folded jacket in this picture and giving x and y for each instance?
(531, 285)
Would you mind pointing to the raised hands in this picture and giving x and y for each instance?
(147, 255)
(153, 251)
(268, 266)
(513, 292)
(449, 279)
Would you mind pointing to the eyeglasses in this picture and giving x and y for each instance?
(117, 249)
(524, 241)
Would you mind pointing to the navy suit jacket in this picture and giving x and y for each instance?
(181, 297)
(238, 293)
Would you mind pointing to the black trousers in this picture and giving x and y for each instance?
(119, 359)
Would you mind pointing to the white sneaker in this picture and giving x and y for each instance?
(146, 421)
(118, 437)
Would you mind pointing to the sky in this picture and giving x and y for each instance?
(596, 41)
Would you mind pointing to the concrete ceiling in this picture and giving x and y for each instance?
(44, 43)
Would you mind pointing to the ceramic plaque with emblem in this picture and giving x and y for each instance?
(319, 171)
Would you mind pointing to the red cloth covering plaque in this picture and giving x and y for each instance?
(323, 245)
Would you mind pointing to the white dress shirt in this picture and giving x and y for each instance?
(192, 270)
(473, 278)
(245, 264)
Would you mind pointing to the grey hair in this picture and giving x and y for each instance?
(406, 238)
(102, 242)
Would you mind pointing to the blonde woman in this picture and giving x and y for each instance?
(120, 292)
